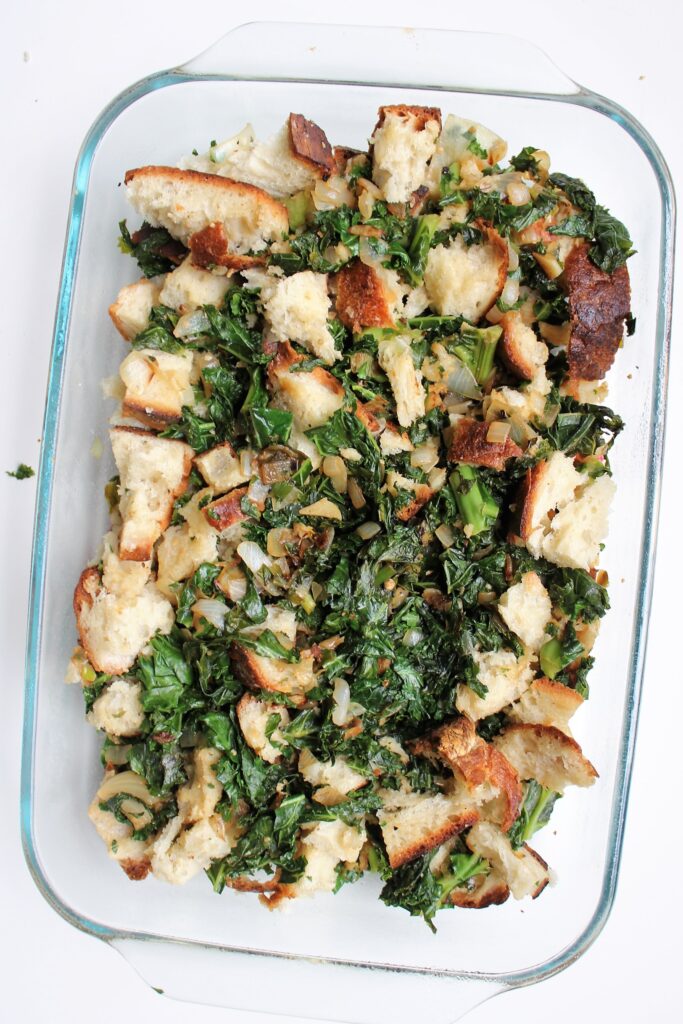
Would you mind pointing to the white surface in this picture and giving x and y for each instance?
(60, 64)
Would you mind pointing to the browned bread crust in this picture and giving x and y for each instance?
(209, 248)
(310, 145)
(469, 445)
(421, 114)
(361, 298)
(599, 303)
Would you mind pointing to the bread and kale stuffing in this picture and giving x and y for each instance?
(345, 611)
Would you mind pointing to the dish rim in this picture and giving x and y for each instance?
(181, 75)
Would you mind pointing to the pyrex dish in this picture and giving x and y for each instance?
(346, 957)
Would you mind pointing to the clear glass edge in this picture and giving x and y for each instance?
(565, 957)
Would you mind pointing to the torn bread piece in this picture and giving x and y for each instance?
(118, 710)
(253, 716)
(157, 385)
(403, 143)
(297, 156)
(324, 845)
(522, 352)
(564, 514)
(546, 754)
(526, 609)
(492, 782)
(153, 472)
(311, 396)
(523, 870)
(292, 678)
(464, 280)
(506, 677)
(133, 855)
(400, 486)
(182, 851)
(332, 781)
(222, 221)
(396, 359)
(470, 445)
(414, 823)
(546, 703)
(114, 623)
(189, 286)
(183, 548)
(394, 441)
(296, 308)
(131, 311)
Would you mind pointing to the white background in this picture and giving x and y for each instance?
(60, 63)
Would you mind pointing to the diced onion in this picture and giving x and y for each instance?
(193, 324)
(550, 266)
(367, 530)
(412, 637)
(245, 461)
(355, 494)
(324, 508)
(518, 193)
(463, 382)
(118, 754)
(334, 467)
(275, 545)
(445, 535)
(342, 698)
(437, 478)
(253, 556)
(212, 610)
(350, 454)
(330, 194)
(426, 455)
(233, 583)
(498, 432)
(125, 782)
(258, 492)
(510, 292)
(513, 257)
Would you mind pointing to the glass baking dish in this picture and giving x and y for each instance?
(187, 941)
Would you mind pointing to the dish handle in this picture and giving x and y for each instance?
(299, 987)
(407, 58)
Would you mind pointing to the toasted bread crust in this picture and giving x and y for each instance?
(599, 303)
(201, 177)
(510, 351)
(527, 497)
(451, 828)
(361, 298)
(422, 495)
(342, 155)
(469, 445)
(422, 114)
(155, 417)
(499, 245)
(247, 667)
(459, 746)
(137, 870)
(484, 896)
(227, 510)
(310, 145)
(209, 248)
(286, 357)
